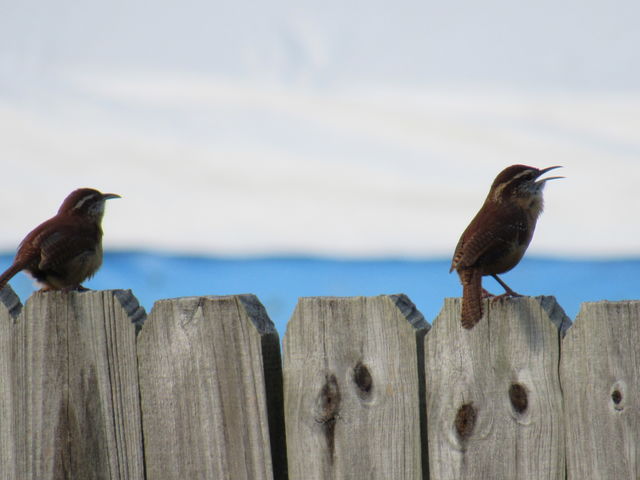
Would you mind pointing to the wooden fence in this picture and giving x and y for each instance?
(365, 389)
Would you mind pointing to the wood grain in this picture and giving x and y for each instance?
(600, 373)
(203, 389)
(73, 387)
(494, 403)
(10, 308)
(367, 392)
(352, 395)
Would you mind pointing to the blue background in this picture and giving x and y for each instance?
(278, 282)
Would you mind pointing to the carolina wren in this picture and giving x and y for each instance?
(497, 237)
(66, 249)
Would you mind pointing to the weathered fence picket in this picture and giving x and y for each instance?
(352, 396)
(364, 390)
(10, 307)
(494, 402)
(72, 388)
(205, 390)
(601, 386)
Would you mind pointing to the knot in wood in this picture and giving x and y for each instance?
(465, 421)
(363, 380)
(616, 397)
(518, 397)
(328, 406)
(328, 402)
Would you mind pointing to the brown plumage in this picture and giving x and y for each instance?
(66, 249)
(499, 234)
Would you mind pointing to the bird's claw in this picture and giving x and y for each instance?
(508, 294)
(487, 294)
(75, 288)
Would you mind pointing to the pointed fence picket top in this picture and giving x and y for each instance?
(211, 389)
(494, 402)
(69, 387)
(198, 393)
(353, 381)
(600, 373)
(10, 308)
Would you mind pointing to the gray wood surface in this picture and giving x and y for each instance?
(203, 389)
(494, 402)
(368, 393)
(352, 388)
(600, 373)
(10, 308)
(72, 388)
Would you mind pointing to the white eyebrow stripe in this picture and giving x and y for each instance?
(82, 201)
(503, 185)
(522, 174)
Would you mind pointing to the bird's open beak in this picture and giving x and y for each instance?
(108, 196)
(545, 170)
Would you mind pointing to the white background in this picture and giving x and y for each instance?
(337, 128)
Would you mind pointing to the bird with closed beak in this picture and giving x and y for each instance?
(498, 236)
(65, 250)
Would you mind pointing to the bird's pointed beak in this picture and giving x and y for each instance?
(545, 170)
(109, 196)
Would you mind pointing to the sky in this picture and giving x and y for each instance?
(348, 129)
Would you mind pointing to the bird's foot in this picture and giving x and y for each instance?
(75, 288)
(508, 294)
(71, 288)
(487, 294)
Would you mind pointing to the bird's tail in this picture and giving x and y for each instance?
(9, 273)
(471, 297)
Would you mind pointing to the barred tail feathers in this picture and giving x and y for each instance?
(9, 273)
(471, 297)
